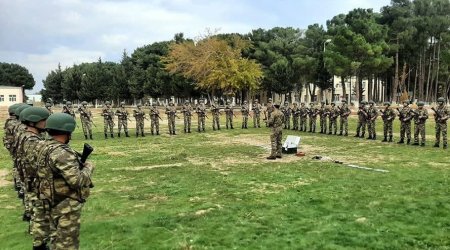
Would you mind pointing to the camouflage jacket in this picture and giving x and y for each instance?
(441, 114)
(344, 111)
(154, 112)
(286, 110)
(269, 108)
(313, 112)
(276, 120)
(333, 113)
(245, 110)
(68, 110)
(215, 109)
(18, 129)
(60, 174)
(122, 113)
(187, 110)
(420, 116)
(257, 108)
(362, 114)
(25, 155)
(388, 114)
(229, 110)
(372, 113)
(405, 114)
(171, 111)
(295, 111)
(303, 111)
(201, 109)
(139, 114)
(8, 137)
(85, 113)
(323, 111)
(107, 113)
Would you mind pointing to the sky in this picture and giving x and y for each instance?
(39, 34)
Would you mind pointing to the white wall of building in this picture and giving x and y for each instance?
(10, 95)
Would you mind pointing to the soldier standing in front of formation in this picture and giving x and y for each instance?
(171, 113)
(229, 115)
(201, 115)
(333, 115)
(362, 116)
(441, 115)
(68, 109)
(295, 115)
(286, 110)
(421, 116)
(34, 118)
(139, 115)
(372, 114)
(256, 114)
(323, 112)
(108, 119)
(245, 113)
(405, 117)
(388, 116)
(154, 116)
(48, 106)
(276, 123)
(187, 115)
(63, 182)
(344, 113)
(269, 109)
(122, 118)
(216, 116)
(86, 120)
(312, 111)
(303, 117)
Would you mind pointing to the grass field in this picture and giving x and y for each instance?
(216, 190)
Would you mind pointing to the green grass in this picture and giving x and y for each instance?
(215, 190)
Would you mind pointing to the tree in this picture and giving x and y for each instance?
(15, 75)
(52, 85)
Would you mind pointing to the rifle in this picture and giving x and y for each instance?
(87, 150)
(438, 115)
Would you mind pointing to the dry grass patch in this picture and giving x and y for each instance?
(138, 168)
(3, 181)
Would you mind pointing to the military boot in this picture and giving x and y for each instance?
(142, 134)
(41, 247)
(369, 138)
(401, 141)
(126, 134)
(374, 137)
(157, 132)
(390, 139)
(271, 158)
(137, 134)
(445, 146)
(330, 133)
(231, 127)
(341, 134)
(436, 145)
(152, 133)
(362, 135)
(85, 137)
(422, 144)
(189, 131)
(106, 136)
(112, 135)
(416, 143)
(173, 133)
(357, 134)
(346, 134)
(90, 137)
(118, 135)
(408, 141)
(385, 139)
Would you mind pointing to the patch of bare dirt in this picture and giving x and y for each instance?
(3, 181)
(113, 153)
(138, 168)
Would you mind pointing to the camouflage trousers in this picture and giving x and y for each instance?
(108, 123)
(323, 124)
(361, 127)
(405, 128)
(419, 128)
(123, 123)
(171, 124)
(187, 123)
(295, 122)
(371, 128)
(387, 128)
(256, 120)
(65, 224)
(244, 121)
(229, 121)
(275, 141)
(287, 121)
(303, 122)
(343, 125)
(216, 122)
(333, 126)
(441, 128)
(154, 124)
(87, 127)
(201, 123)
(40, 223)
(139, 126)
(312, 124)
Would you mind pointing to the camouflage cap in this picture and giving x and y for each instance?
(61, 122)
(139, 105)
(322, 102)
(371, 102)
(344, 100)
(13, 107)
(187, 101)
(295, 104)
(420, 104)
(387, 103)
(122, 103)
(286, 102)
(441, 99)
(107, 103)
(333, 104)
(84, 103)
(34, 114)
(256, 100)
(48, 105)
(154, 104)
(20, 109)
(68, 103)
(245, 101)
(311, 103)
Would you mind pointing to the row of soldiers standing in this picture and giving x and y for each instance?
(50, 177)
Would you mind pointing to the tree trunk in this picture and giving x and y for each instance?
(437, 70)
(395, 86)
(430, 62)
(344, 88)
(415, 84)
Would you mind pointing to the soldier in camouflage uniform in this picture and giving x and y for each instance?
(269, 109)
(420, 117)
(139, 115)
(295, 116)
(362, 119)
(187, 115)
(276, 123)
(286, 110)
(86, 120)
(245, 113)
(154, 117)
(34, 118)
(372, 114)
(48, 106)
(216, 116)
(229, 115)
(171, 112)
(405, 117)
(303, 117)
(108, 119)
(122, 119)
(333, 115)
(323, 113)
(68, 109)
(441, 116)
(8, 137)
(201, 115)
(344, 112)
(63, 182)
(312, 112)
(388, 116)
(256, 114)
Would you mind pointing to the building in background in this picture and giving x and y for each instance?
(10, 95)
